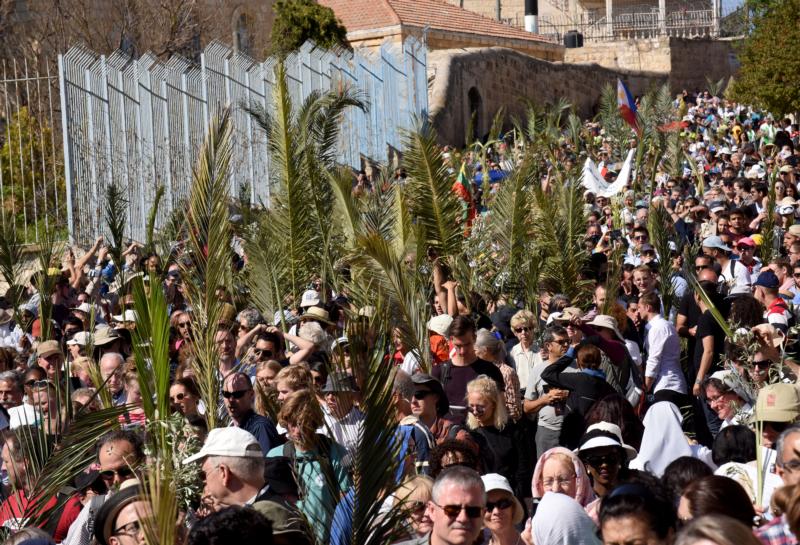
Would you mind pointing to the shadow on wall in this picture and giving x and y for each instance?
(478, 81)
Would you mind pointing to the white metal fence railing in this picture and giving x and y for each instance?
(138, 123)
(31, 175)
(678, 20)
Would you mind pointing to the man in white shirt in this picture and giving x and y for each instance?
(343, 420)
(663, 375)
(733, 272)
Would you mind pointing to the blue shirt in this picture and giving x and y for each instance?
(262, 429)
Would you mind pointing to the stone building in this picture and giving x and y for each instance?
(439, 24)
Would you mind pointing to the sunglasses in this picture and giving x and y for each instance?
(476, 409)
(184, 324)
(238, 394)
(777, 427)
(640, 237)
(452, 511)
(597, 461)
(417, 507)
(123, 473)
(262, 352)
(422, 394)
(762, 363)
(522, 329)
(178, 397)
(743, 248)
(796, 275)
(504, 503)
(701, 267)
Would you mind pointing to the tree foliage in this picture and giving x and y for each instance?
(769, 75)
(297, 21)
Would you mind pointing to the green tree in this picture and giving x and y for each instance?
(32, 175)
(297, 21)
(769, 75)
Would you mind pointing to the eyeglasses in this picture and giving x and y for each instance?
(501, 504)
(791, 466)
(123, 473)
(262, 352)
(640, 237)
(417, 507)
(422, 394)
(796, 275)
(452, 511)
(131, 529)
(558, 481)
(522, 329)
(319, 380)
(606, 459)
(237, 394)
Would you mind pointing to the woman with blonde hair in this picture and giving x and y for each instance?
(523, 325)
(414, 495)
(490, 348)
(502, 445)
(716, 529)
(318, 462)
(266, 393)
(291, 379)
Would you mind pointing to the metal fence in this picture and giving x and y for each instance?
(32, 192)
(623, 21)
(139, 123)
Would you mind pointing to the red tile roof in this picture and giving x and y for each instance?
(437, 14)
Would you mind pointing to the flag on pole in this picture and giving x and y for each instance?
(627, 107)
(463, 189)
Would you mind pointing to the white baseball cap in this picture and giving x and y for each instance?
(81, 338)
(127, 316)
(310, 299)
(230, 441)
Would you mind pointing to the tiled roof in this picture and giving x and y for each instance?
(437, 14)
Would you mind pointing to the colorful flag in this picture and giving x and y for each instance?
(463, 189)
(627, 107)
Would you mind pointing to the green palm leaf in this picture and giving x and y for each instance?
(431, 199)
(209, 246)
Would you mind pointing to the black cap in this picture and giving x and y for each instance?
(443, 404)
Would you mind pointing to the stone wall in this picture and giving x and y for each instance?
(687, 61)
(486, 78)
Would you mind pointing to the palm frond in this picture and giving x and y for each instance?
(431, 199)
(510, 217)
(114, 212)
(11, 263)
(208, 244)
(52, 468)
(662, 231)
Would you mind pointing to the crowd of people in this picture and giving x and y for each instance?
(625, 418)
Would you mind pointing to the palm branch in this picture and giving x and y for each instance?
(51, 468)
(430, 190)
(208, 245)
(377, 459)
(114, 212)
(662, 231)
(290, 224)
(510, 218)
(11, 263)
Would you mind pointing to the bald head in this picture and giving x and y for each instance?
(708, 275)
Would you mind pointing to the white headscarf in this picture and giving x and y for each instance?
(663, 440)
(560, 520)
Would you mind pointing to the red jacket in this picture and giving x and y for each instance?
(13, 510)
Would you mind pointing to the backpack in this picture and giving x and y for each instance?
(324, 446)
